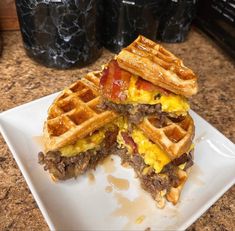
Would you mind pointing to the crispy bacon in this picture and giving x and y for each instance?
(115, 81)
(129, 141)
(147, 86)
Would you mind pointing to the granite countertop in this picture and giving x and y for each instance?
(22, 80)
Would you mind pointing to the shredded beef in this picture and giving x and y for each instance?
(63, 168)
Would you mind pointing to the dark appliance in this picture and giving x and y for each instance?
(217, 19)
(61, 33)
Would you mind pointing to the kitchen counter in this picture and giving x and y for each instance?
(23, 80)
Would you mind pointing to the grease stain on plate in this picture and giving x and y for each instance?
(118, 183)
(200, 138)
(131, 209)
(139, 219)
(91, 177)
(108, 189)
(195, 175)
(108, 165)
(39, 141)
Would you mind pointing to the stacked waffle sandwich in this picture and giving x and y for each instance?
(136, 107)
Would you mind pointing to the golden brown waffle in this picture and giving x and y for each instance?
(154, 63)
(75, 113)
(173, 194)
(175, 138)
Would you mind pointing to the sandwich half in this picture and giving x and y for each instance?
(145, 79)
(160, 154)
(77, 133)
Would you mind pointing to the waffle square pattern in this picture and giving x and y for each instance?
(75, 113)
(155, 64)
(173, 137)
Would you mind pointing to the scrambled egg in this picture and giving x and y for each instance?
(87, 143)
(84, 144)
(92, 141)
(170, 103)
(151, 153)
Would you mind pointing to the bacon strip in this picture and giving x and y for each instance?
(147, 86)
(129, 141)
(114, 82)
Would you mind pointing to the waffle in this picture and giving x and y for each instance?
(155, 64)
(173, 137)
(173, 194)
(75, 113)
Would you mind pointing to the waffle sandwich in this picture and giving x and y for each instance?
(149, 86)
(137, 108)
(77, 133)
(160, 153)
(145, 79)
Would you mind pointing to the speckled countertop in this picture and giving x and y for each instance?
(22, 80)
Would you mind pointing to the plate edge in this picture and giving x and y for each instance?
(28, 181)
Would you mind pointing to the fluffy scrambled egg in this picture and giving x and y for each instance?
(152, 154)
(170, 103)
(84, 144)
(87, 143)
(92, 141)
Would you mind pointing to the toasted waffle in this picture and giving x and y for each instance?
(154, 63)
(75, 113)
(173, 194)
(173, 137)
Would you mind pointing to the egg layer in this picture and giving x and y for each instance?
(170, 103)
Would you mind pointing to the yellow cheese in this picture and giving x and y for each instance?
(170, 103)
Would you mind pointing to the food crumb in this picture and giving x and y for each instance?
(108, 189)
(140, 219)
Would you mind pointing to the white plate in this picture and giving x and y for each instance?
(86, 205)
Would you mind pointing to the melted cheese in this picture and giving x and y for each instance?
(170, 103)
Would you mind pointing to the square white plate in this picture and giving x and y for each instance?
(85, 204)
